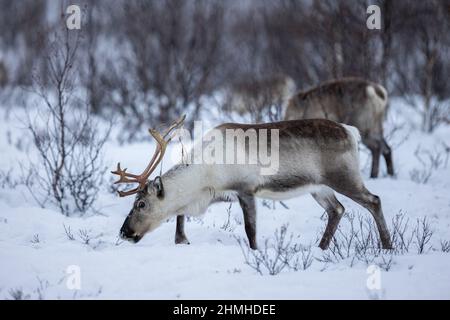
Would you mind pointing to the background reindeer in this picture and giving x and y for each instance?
(353, 101)
(261, 98)
(317, 156)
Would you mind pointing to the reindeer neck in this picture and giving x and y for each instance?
(183, 184)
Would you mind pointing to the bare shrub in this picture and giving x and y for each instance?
(7, 180)
(445, 246)
(228, 225)
(367, 243)
(268, 204)
(359, 240)
(41, 288)
(35, 239)
(359, 243)
(423, 234)
(271, 204)
(386, 262)
(69, 170)
(278, 253)
(93, 241)
(397, 132)
(430, 160)
(172, 50)
(37, 294)
(85, 236)
(69, 233)
(401, 236)
(304, 260)
(420, 61)
(18, 294)
(344, 243)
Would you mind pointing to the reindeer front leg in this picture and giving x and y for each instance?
(247, 202)
(180, 236)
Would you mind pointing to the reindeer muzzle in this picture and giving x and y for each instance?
(129, 234)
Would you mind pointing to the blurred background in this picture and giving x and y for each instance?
(146, 62)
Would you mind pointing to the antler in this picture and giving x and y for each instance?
(141, 179)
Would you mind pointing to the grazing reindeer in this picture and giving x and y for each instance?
(352, 101)
(257, 96)
(317, 156)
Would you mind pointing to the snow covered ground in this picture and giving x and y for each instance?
(43, 254)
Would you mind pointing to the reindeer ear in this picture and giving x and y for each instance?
(158, 185)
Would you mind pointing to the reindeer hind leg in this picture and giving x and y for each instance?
(327, 200)
(373, 204)
(351, 185)
(387, 154)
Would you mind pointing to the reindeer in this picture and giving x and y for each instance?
(256, 96)
(352, 101)
(315, 156)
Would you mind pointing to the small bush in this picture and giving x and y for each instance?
(360, 242)
(69, 233)
(7, 180)
(69, 169)
(278, 253)
(18, 294)
(401, 237)
(423, 234)
(430, 161)
(228, 224)
(35, 239)
(445, 246)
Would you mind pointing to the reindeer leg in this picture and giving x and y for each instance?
(247, 202)
(374, 146)
(180, 237)
(387, 154)
(372, 203)
(351, 185)
(334, 209)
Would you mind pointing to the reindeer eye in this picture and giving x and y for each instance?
(141, 204)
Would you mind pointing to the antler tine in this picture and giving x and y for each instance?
(125, 177)
(129, 192)
(175, 125)
(162, 145)
(123, 174)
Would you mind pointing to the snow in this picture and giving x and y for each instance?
(36, 253)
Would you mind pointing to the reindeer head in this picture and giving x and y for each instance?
(147, 212)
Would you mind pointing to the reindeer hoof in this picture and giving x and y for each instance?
(253, 246)
(323, 245)
(387, 246)
(181, 240)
